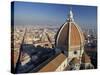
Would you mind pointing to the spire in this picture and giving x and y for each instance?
(70, 15)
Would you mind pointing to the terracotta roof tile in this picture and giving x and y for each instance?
(75, 60)
(52, 65)
(85, 58)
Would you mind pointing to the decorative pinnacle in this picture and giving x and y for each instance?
(70, 16)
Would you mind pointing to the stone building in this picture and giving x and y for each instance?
(70, 39)
(70, 46)
(86, 62)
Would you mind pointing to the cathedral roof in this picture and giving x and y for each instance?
(85, 58)
(75, 60)
(54, 64)
(69, 35)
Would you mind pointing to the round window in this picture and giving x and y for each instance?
(75, 52)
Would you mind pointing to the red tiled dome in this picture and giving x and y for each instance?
(70, 35)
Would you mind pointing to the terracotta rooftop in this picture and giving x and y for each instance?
(75, 37)
(14, 57)
(85, 58)
(75, 60)
(52, 65)
(70, 35)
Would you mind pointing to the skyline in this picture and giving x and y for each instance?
(27, 13)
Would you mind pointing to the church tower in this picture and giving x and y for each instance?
(70, 39)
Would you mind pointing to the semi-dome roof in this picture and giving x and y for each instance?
(85, 58)
(69, 36)
(75, 60)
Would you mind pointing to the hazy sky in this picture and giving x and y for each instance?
(27, 13)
